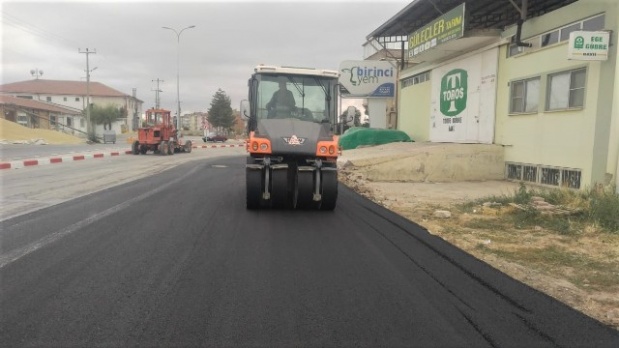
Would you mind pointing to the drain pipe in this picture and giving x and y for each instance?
(523, 16)
(518, 42)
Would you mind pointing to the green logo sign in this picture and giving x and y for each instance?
(453, 92)
(579, 42)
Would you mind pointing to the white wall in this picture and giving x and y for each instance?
(469, 116)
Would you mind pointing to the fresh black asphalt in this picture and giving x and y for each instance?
(175, 260)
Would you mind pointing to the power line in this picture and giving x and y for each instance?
(22, 25)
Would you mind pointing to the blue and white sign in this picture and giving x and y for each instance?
(368, 78)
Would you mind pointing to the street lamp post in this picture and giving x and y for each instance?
(178, 100)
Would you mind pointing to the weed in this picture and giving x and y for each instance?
(522, 195)
(559, 224)
(599, 206)
(604, 208)
(526, 217)
(481, 247)
(487, 224)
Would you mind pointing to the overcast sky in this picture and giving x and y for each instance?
(229, 40)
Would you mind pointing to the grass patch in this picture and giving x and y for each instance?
(604, 208)
(584, 270)
(598, 206)
(487, 224)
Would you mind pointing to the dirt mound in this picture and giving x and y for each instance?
(11, 133)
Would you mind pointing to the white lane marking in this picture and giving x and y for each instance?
(10, 257)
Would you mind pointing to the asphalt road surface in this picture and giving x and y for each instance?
(175, 259)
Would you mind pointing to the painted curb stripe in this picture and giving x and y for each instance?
(33, 162)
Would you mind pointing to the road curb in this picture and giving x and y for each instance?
(18, 164)
(214, 146)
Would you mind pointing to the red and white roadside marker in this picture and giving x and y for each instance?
(215, 146)
(17, 164)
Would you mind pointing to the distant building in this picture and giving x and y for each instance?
(196, 122)
(36, 114)
(73, 95)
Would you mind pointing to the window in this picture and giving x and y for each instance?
(64, 99)
(550, 38)
(49, 99)
(22, 119)
(77, 98)
(416, 79)
(524, 96)
(565, 177)
(566, 90)
(565, 32)
(595, 23)
(550, 176)
(570, 178)
(529, 173)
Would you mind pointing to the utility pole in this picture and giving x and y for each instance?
(157, 91)
(89, 128)
(178, 54)
(135, 122)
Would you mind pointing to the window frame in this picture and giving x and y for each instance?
(570, 89)
(524, 96)
(416, 79)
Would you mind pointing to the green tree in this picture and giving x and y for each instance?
(105, 115)
(220, 113)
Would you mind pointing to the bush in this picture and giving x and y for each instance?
(604, 208)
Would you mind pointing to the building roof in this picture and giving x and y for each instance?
(59, 87)
(481, 14)
(35, 104)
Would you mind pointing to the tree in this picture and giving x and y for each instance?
(220, 113)
(105, 115)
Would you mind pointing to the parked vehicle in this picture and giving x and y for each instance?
(159, 135)
(215, 138)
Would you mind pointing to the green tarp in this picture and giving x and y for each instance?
(361, 136)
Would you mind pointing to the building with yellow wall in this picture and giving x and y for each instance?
(502, 82)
